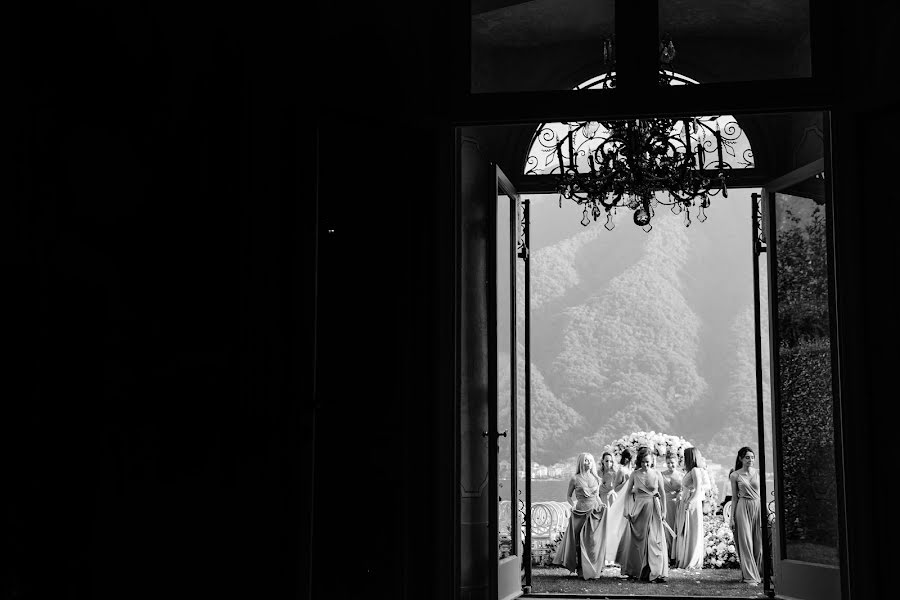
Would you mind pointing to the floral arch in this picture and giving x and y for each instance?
(659, 443)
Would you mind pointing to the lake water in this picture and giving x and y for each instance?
(542, 490)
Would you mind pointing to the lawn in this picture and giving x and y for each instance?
(681, 582)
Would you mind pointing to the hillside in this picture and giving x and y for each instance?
(641, 331)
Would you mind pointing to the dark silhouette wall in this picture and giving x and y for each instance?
(158, 251)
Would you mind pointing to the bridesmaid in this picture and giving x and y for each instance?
(689, 549)
(582, 549)
(672, 485)
(642, 551)
(626, 466)
(745, 516)
(707, 480)
(607, 476)
(615, 521)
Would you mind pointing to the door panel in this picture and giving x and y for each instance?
(503, 415)
(802, 330)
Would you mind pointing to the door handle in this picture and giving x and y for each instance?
(498, 434)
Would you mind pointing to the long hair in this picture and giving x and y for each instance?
(690, 459)
(625, 459)
(642, 452)
(739, 462)
(698, 456)
(579, 465)
(603, 470)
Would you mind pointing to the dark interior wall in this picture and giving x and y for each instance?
(384, 522)
(158, 249)
(862, 131)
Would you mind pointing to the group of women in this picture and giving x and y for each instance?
(647, 521)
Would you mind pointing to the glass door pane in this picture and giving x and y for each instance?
(807, 553)
(809, 500)
(728, 40)
(523, 469)
(519, 46)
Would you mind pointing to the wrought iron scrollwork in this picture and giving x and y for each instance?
(604, 165)
(587, 136)
(521, 243)
(760, 238)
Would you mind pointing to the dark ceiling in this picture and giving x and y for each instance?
(512, 23)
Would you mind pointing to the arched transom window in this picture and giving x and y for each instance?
(736, 153)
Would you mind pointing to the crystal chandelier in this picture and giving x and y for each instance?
(640, 164)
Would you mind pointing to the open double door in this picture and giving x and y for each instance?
(792, 221)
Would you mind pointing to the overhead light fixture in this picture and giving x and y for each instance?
(639, 164)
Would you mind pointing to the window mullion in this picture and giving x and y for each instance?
(637, 40)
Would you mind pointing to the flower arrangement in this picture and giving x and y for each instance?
(659, 443)
(711, 499)
(719, 544)
(544, 556)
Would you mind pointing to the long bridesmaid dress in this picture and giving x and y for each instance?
(615, 521)
(607, 485)
(748, 527)
(582, 548)
(689, 549)
(613, 516)
(642, 551)
(672, 487)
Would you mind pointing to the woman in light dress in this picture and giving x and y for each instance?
(672, 477)
(582, 549)
(746, 521)
(607, 473)
(626, 466)
(615, 518)
(642, 551)
(689, 547)
(707, 479)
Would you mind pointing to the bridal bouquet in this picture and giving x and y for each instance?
(659, 443)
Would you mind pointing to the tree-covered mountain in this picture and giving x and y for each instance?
(738, 409)
(640, 331)
(553, 422)
(629, 356)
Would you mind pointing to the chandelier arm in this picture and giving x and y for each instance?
(633, 160)
(705, 126)
(615, 201)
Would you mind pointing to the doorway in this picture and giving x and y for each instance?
(490, 248)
